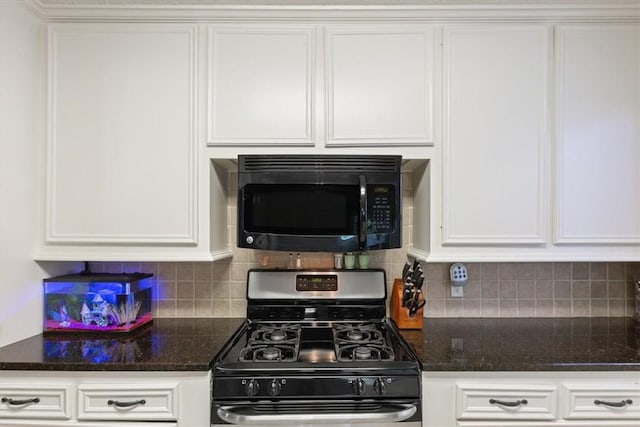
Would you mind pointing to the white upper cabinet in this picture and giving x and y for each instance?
(379, 85)
(261, 85)
(597, 149)
(495, 134)
(320, 86)
(122, 150)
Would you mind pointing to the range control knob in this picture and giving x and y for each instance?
(249, 239)
(251, 388)
(358, 386)
(380, 386)
(274, 388)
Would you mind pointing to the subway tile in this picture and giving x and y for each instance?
(581, 308)
(615, 271)
(185, 290)
(526, 271)
(508, 307)
(562, 307)
(526, 289)
(490, 271)
(436, 289)
(526, 307)
(203, 271)
(543, 270)
(544, 307)
(454, 308)
(490, 307)
(490, 289)
(562, 271)
(562, 289)
(508, 288)
(203, 308)
(473, 290)
(472, 307)
(544, 288)
(580, 271)
(185, 271)
(616, 307)
(598, 271)
(599, 307)
(599, 289)
(508, 271)
(617, 289)
(581, 289)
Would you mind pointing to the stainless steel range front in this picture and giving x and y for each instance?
(316, 349)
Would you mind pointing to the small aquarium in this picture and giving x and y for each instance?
(97, 302)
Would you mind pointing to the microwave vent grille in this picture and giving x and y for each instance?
(325, 163)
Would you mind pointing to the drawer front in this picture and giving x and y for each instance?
(600, 403)
(128, 402)
(506, 402)
(29, 402)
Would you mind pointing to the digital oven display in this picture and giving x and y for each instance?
(313, 282)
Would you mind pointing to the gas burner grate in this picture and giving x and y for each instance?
(272, 343)
(364, 353)
(286, 333)
(361, 342)
(268, 353)
(358, 333)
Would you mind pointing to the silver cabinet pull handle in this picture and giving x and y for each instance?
(620, 404)
(13, 402)
(126, 404)
(511, 404)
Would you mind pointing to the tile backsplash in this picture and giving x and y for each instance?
(563, 289)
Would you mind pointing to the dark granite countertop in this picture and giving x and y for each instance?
(165, 345)
(527, 344)
(443, 344)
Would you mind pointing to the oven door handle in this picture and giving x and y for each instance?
(395, 413)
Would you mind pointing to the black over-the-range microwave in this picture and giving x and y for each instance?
(321, 203)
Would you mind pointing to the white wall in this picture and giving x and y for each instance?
(22, 133)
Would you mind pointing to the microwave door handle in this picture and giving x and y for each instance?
(363, 212)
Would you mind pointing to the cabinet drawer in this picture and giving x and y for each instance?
(29, 402)
(506, 402)
(602, 402)
(128, 402)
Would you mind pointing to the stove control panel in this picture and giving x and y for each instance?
(305, 387)
(316, 282)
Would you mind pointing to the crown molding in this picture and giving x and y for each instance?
(335, 10)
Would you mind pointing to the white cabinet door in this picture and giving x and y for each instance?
(275, 86)
(261, 85)
(122, 146)
(379, 85)
(598, 134)
(495, 133)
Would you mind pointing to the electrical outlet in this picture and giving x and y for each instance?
(457, 291)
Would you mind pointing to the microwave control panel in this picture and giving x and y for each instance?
(381, 200)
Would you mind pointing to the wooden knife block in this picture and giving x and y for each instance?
(400, 314)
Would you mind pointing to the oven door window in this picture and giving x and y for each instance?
(301, 209)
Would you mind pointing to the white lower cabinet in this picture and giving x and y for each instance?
(86, 399)
(531, 399)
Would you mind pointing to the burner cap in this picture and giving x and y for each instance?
(355, 335)
(278, 335)
(270, 353)
(362, 353)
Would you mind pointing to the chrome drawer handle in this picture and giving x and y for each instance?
(126, 404)
(620, 404)
(10, 401)
(511, 404)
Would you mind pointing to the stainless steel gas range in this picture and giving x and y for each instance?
(316, 349)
